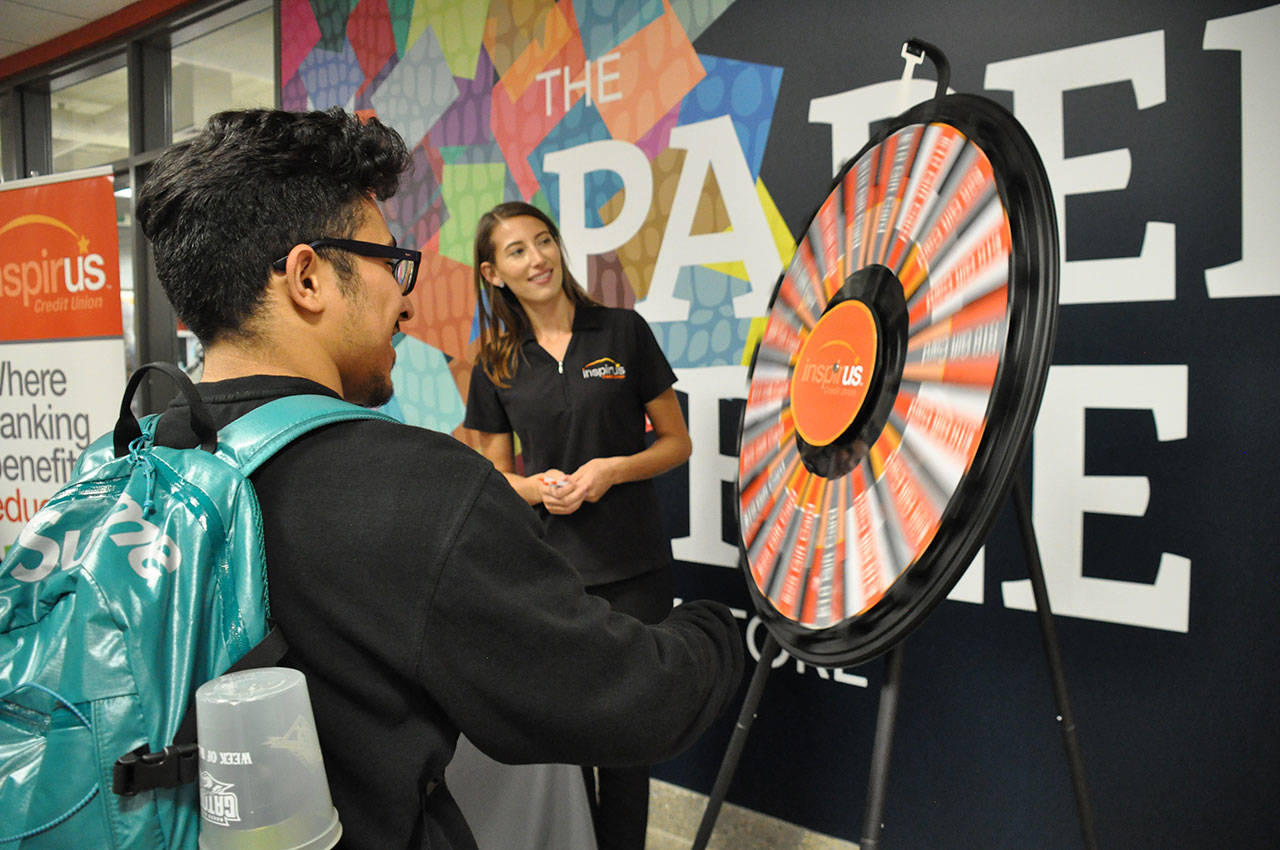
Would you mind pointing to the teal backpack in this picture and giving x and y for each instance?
(141, 579)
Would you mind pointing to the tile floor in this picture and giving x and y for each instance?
(675, 813)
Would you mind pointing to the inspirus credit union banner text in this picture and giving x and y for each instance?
(61, 343)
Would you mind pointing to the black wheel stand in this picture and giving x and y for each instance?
(882, 745)
(1053, 656)
(768, 653)
(887, 712)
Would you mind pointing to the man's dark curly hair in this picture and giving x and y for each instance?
(221, 208)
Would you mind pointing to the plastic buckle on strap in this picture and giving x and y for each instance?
(141, 770)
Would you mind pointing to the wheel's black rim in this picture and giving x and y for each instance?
(849, 541)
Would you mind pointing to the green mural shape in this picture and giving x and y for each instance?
(401, 12)
(425, 389)
(469, 191)
(331, 16)
(542, 202)
(696, 15)
(470, 154)
(459, 27)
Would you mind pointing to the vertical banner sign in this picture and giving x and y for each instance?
(61, 344)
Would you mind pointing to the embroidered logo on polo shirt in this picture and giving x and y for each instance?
(605, 367)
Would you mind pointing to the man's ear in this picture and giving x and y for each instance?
(303, 278)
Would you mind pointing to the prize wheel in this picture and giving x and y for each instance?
(896, 381)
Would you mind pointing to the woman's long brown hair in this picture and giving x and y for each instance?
(503, 323)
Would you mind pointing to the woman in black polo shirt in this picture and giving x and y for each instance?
(575, 382)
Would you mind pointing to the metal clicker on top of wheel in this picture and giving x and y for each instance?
(891, 398)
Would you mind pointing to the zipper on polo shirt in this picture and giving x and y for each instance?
(562, 382)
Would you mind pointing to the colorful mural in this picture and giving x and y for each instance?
(486, 94)
(683, 146)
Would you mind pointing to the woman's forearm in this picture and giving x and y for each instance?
(528, 488)
(667, 452)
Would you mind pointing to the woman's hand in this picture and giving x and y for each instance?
(556, 491)
(594, 478)
(564, 494)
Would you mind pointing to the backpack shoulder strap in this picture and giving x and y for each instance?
(246, 443)
(252, 439)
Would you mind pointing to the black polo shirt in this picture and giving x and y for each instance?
(589, 405)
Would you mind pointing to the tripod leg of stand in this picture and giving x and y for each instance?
(885, 719)
(1084, 809)
(768, 652)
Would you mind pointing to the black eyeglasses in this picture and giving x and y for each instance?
(404, 267)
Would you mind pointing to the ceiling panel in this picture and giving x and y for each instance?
(28, 24)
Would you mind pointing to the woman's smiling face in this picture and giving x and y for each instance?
(526, 258)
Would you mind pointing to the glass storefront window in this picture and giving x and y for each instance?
(222, 55)
(89, 119)
(231, 67)
(124, 229)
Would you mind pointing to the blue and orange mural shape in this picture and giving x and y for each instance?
(599, 112)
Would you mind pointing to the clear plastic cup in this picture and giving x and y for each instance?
(262, 778)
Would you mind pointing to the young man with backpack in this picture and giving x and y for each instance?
(410, 581)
